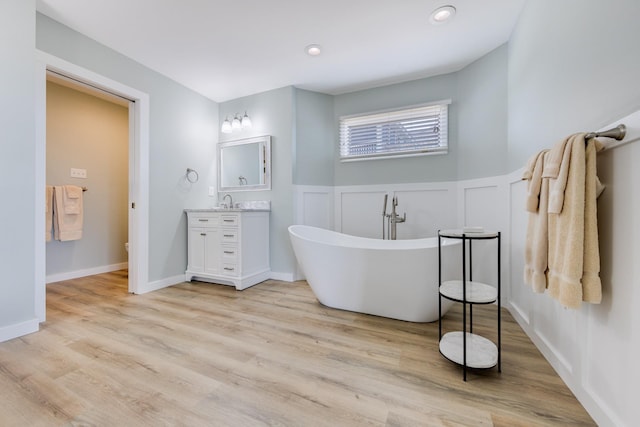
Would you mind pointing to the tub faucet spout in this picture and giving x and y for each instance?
(394, 218)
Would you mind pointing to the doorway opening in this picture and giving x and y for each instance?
(87, 147)
(138, 166)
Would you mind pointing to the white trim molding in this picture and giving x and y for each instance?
(19, 329)
(53, 278)
(138, 170)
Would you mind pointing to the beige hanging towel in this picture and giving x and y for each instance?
(574, 260)
(68, 213)
(591, 284)
(535, 249)
(48, 213)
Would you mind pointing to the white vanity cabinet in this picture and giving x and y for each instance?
(230, 247)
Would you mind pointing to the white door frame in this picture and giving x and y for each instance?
(138, 171)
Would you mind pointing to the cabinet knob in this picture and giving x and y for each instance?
(229, 269)
(203, 220)
(203, 234)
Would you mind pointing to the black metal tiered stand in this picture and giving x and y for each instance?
(468, 349)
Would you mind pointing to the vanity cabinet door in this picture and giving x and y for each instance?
(204, 250)
(212, 251)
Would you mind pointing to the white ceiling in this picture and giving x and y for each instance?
(225, 50)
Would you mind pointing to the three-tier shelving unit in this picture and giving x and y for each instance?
(464, 347)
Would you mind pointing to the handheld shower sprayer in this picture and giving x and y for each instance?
(384, 213)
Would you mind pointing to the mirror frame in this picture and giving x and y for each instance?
(266, 140)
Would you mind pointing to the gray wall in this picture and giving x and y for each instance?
(84, 131)
(315, 138)
(570, 70)
(482, 116)
(17, 154)
(271, 113)
(183, 133)
(410, 169)
(477, 125)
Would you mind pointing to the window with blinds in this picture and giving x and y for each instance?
(412, 131)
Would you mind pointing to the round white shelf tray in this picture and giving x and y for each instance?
(457, 233)
(481, 353)
(477, 292)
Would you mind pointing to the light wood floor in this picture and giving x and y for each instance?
(204, 354)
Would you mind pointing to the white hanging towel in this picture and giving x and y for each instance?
(67, 213)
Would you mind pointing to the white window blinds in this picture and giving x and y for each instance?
(412, 131)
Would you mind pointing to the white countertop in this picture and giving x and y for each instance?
(223, 210)
(247, 206)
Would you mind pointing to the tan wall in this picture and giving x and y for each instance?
(86, 132)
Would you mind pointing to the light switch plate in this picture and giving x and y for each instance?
(78, 173)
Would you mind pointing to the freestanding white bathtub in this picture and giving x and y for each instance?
(389, 278)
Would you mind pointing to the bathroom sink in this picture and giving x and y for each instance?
(252, 205)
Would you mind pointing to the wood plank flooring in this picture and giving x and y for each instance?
(200, 354)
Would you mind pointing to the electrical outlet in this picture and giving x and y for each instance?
(78, 173)
(212, 191)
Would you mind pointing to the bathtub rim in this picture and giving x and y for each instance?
(358, 242)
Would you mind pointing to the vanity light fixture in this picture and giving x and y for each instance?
(235, 123)
(313, 50)
(238, 123)
(226, 126)
(246, 121)
(442, 15)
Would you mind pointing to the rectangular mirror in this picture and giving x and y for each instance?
(245, 164)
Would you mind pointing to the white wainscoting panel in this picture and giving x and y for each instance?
(483, 204)
(427, 212)
(428, 206)
(611, 371)
(481, 207)
(361, 212)
(557, 327)
(520, 294)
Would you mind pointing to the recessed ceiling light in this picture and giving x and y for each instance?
(313, 50)
(442, 14)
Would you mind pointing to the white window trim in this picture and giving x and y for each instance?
(442, 149)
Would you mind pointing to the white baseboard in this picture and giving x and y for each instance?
(52, 278)
(19, 329)
(285, 277)
(160, 284)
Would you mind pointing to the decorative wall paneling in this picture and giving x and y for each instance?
(593, 348)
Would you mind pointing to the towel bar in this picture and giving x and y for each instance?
(617, 133)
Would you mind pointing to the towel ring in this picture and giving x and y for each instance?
(192, 175)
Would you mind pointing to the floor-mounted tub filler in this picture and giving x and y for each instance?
(389, 278)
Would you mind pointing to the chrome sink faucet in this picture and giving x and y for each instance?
(230, 205)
